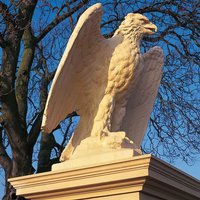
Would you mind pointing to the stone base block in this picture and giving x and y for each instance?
(138, 178)
(96, 159)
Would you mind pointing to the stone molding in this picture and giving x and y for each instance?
(140, 177)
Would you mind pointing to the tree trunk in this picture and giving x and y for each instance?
(21, 165)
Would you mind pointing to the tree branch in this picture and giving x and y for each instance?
(24, 74)
(162, 35)
(35, 130)
(59, 19)
(24, 15)
(36, 127)
(9, 63)
(47, 143)
(7, 16)
(70, 117)
(47, 77)
(2, 119)
(2, 41)
(5, 160)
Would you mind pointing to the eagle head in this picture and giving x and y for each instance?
(141, 23)
(136, 25)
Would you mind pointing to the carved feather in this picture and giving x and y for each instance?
(70, 89)
(141, 101)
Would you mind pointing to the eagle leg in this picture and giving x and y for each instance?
(102, 125)
(102, 119)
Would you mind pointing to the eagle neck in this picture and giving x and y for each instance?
(135, 39)
(134, 45)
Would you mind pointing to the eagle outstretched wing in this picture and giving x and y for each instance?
(70, 89)
(141, 101)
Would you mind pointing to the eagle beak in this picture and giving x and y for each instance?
(151, 28)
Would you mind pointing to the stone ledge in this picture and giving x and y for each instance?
(98, 158)
(140, 177)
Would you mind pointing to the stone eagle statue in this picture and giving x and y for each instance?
(108, 82)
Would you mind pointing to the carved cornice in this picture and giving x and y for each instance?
(140, 174)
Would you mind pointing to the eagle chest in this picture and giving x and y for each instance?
(122, 67)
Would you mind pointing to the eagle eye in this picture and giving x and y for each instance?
(144, 20)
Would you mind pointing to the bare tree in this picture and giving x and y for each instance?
(33, 35)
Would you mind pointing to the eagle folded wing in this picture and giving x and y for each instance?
(141, 101)
(67, 92)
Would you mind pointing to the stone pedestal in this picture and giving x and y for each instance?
(137, 178)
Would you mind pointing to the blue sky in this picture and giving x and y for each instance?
(193, 170)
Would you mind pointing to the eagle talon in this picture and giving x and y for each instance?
(114, 140)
